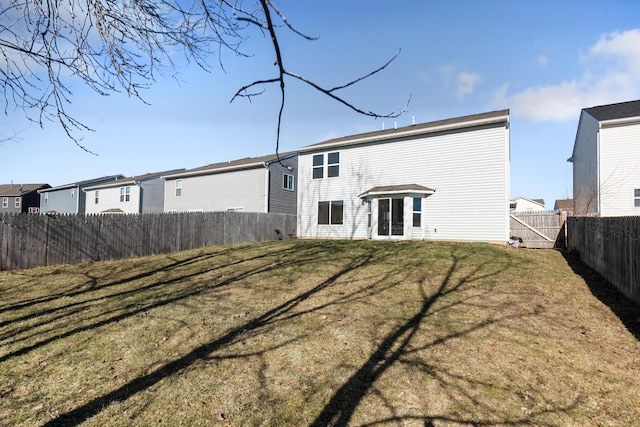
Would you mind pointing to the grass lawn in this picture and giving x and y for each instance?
(319, 333)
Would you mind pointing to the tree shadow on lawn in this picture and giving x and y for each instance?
(156, 294)
(399, 346)
(281, 312)
(627, 311)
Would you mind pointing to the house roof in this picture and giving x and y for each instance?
(20, 189)
(84, 183)
(132, 180)
(397, 189)
(564, 204)
(621, 110)
(239, 164)
(538, 201)
(419, 129)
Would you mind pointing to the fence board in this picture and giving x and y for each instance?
(610, 246)
(28, 240)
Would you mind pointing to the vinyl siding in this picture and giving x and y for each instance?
(469, 170)
(61, 201)
(619, 169)
(219, 192)
(281, 200)
(110, 199)
(585, 166)
(152, 195)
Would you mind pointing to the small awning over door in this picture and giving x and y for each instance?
(415, 190)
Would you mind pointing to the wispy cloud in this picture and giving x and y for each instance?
(542, 60)
(466, 83)
(611, 73)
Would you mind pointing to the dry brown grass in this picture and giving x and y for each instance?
(319, 333)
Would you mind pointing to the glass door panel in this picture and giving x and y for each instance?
(397, 217)
(384, 216)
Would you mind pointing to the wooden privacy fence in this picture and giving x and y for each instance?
(35, 240)
(538, 229)
(610, 246)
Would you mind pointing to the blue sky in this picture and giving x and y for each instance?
(543, 60)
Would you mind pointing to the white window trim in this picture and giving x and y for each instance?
(5, 202)
(178, 187)
(290, 179)
(324, 167)
(17, 203)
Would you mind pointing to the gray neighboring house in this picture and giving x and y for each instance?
(136, 194)
(20, 198)
(69, 198)
(255, 184)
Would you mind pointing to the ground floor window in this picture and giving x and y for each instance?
(417, 211)
(636, 197)
(331, 212)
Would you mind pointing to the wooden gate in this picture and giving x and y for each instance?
(538, 229)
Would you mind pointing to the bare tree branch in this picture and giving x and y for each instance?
(120, 47)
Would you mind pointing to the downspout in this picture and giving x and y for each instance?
(599, 212)
(266, 187)
(139, 184)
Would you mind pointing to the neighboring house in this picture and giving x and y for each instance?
(444, 180)
(522, 204)
(257, 184)
(18, 198)
(606, 161)
(564, 205)
(136, 194)
(69, 199)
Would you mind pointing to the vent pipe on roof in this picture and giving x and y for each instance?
(413, 120)
(382, 125)
(395, 125)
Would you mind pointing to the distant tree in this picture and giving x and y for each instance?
(121, 46)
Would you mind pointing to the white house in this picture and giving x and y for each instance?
(522, 204)
(136, 194)
(257, 184)
(444, 180)
(606, 161)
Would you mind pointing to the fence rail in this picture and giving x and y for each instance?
(610, 246)
(35, 240)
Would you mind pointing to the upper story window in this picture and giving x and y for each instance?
(5, 202)
(287, 183)
(18, 202)
(125, 194)
(636, 197)
(73, 193)
(96, 197)
(332, 165)
(178, 187)
(46, 198)
(318, 166)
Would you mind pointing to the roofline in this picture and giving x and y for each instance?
(61, 187)
(618, 122)
(227, 168)
(110, 184)
(527, 199)
(216, 170)
(102, 180)
(425, 128)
